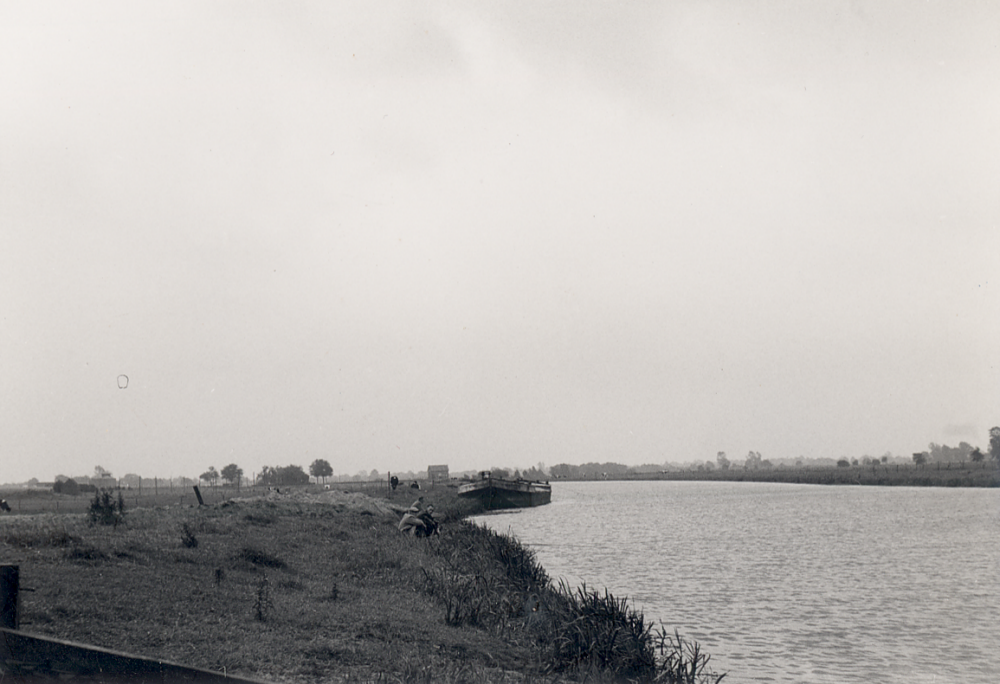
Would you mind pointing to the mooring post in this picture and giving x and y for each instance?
(8, 596)
(197, 492)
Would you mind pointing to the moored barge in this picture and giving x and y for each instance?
(498, 492)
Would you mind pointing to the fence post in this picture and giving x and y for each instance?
(8, 596)
(197, 493)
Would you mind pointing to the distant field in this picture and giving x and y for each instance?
(903, 475)
(34, 501)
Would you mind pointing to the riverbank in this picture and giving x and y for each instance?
(985, 474)
(318, 585)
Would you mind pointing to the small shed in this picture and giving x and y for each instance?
(437, 473)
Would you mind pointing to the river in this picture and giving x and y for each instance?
(791, 583)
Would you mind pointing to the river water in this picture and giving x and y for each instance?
(791, 583)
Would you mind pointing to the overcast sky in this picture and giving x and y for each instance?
(498, 233)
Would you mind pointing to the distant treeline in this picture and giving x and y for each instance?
(985, 474)
(966, 474)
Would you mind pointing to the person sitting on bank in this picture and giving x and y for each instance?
(418, 522)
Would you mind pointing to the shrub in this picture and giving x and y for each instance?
(105, 510)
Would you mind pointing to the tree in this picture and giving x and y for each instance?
(977, 455)
(535, 473)
(210, 476)
(995, 443)
(287, 475)
(68, 486)
(722, 460)
(920, 458)
(320, 469)
(945, 454)
(843, 463)
(232, 474)
(753, 461)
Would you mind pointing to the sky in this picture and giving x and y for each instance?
(398, 234)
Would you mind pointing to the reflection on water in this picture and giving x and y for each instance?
(791, 583)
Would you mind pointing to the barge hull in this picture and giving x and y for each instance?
(495, 494)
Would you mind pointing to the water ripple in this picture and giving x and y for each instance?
(791, 583)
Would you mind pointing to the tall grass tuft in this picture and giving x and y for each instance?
(594, 631)
(262, 599)
(467, 599)
(187, 537)
(504, 556)
(682, 661)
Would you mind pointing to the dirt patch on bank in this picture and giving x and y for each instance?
(353, 501)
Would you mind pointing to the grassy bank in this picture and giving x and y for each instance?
(321, 586)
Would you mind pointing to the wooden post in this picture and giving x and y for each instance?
(197, 493)
(9, 596)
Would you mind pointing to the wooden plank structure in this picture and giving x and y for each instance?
(36, 660)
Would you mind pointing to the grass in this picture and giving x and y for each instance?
(287, 591)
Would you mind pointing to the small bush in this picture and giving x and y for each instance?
(105, 510)
(187, 537)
